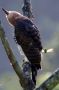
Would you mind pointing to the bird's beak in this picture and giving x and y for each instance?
(5, 11)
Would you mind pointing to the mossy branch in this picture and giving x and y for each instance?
(9, 51)
(51, 82)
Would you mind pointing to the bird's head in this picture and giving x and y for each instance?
(12, 16)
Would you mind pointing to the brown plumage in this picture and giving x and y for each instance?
(28, 37)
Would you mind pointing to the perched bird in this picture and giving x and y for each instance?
(28, 37)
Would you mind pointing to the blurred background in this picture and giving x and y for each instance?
(46, 17)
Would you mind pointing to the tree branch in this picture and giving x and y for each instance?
(27, 9)
(51, 82)
(9, 51)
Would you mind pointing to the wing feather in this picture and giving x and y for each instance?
(28, 28)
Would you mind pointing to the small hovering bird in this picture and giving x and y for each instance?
(28, 37)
